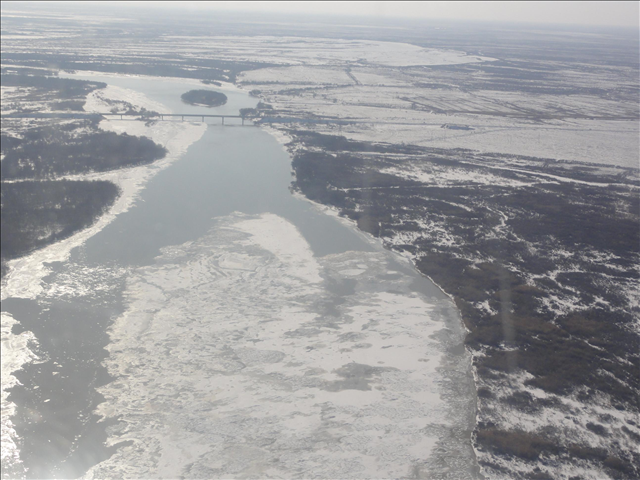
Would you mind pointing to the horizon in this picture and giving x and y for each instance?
(623, 15)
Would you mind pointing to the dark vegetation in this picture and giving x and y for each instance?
(248, 112)
(38, 213)
(192, 67)
(531, 447)
(263, 106)
(13, 70)
(121, 106)
(204, 97)
(69, 94)
(72, 105)
(577, 350)
(49, 151)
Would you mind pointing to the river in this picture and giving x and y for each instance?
(223, 327)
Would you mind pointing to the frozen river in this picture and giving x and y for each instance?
(223, 327)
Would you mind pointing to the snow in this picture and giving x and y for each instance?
(15, 353)
(282, 137)
(268, 231)
(318, 51)
(96, 100)
(258, 380)
(137, 98)
(391, 106)
(442, 176)
(564, 416)
(299, 75)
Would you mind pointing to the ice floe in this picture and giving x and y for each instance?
(240, 354)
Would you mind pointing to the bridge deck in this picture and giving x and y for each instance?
(161, 116)
(172, 115)
(98, 115)
(182, 115)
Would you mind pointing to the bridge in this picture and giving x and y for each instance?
(182, 115)
(145, 115)
(254, 121)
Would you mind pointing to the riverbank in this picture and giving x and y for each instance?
(25, 274)
(20, 281)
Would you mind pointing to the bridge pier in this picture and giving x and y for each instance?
(222, 120)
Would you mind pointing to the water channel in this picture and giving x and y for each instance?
(223, 327)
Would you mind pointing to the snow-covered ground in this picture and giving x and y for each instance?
(314, 51)
(602, 142)
(391, 105)
(568, 415)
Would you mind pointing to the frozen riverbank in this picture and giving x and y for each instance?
(25, 274)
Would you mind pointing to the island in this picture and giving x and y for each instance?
(207, 98)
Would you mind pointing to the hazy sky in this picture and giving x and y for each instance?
(626, 13)
(612, 13)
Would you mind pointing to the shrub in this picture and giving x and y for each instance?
(519, 444)
(618, 464)
(204, 97)
(597, 429)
